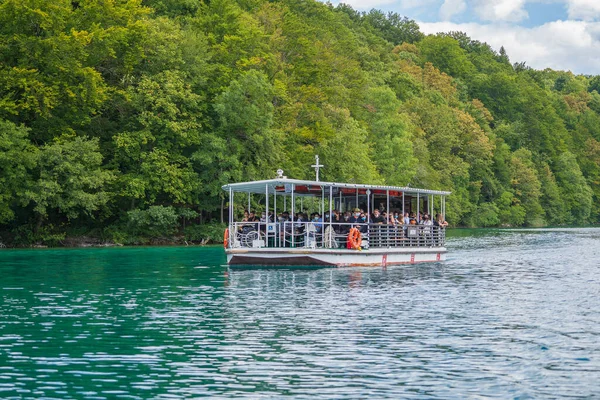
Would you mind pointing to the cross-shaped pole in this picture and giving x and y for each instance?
(317, 166)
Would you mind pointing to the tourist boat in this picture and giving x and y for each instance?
(277, 240)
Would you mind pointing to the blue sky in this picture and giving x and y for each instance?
(557, 34)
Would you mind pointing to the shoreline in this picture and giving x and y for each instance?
(81, 242)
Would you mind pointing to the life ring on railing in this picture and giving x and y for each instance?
(226, 238)
(354, 239)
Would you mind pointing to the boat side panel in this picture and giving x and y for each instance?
(362, 258)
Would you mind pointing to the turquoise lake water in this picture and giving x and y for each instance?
(510, 314)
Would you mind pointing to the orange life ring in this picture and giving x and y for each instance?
(354, 239)
(226, 238)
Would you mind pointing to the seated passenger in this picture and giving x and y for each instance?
(377, 218)
(426, 220)
(252, 217)
(362, 219)
(354, 218)
(345, 224)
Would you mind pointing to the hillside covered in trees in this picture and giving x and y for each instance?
(121, 119)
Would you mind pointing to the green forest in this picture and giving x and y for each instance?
(120, 120)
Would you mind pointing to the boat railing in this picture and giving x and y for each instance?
(330, 236)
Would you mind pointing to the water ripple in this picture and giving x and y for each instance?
(510, 314)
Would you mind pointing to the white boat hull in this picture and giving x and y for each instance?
(333, 257)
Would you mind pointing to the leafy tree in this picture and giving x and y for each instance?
(69, 179)
(393, 27)
(447, 55)
(17, 159)
(527, 188)
(574, 189)
(245, 111)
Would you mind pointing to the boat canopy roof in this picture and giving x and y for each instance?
(284, 186)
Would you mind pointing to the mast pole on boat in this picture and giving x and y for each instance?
(317, 166)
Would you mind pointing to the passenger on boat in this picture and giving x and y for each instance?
(426, 220)
(440, 221)
(363, 220)
(398, 219)
(354, 218)
(406, 219)
(252, 217)
(318, 221)
(300, 224)
(392, 220)
(245, 217)
(345, 224)
(336, 216)
(377, 217)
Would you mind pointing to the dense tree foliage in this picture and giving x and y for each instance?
(130, 115)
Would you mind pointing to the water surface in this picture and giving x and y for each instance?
(510, 314)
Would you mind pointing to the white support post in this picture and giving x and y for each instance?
(330, 208)
(292, 235)
(430, 206)
(322, 202)
(368, 206)
(267, 203)
(403, 199)
(230, 206)
(387, 206)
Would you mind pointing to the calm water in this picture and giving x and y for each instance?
(511, 314)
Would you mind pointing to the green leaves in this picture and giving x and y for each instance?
(69, 178)
(112, 106)
(17, 160)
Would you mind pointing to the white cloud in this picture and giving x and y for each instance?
(500, 10)
(587, 10)
(451, 8)
(561, 45)
(401, 5)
